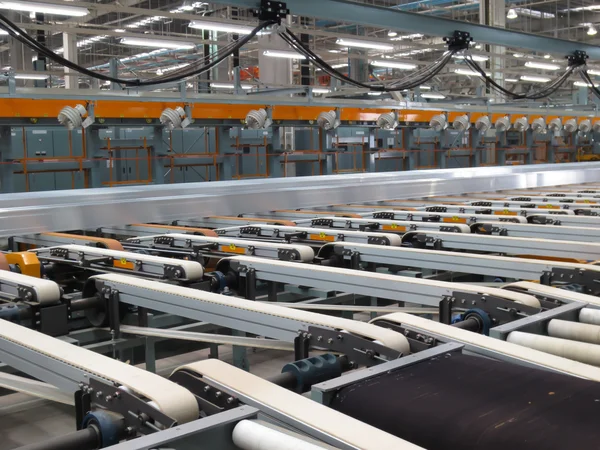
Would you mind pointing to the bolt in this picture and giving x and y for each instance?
(330, 341)
(108, 398)
(99, 394)
(130, 430)
(177, 273)
(340, 337)
(206, 388)
(230, 400)
(218, 394)
(117, 394)
(319, 338)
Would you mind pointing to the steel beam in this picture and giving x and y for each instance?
(377, 16)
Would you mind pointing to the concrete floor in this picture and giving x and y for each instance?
(26, 420)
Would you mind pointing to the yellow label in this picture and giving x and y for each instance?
(123, 261)
(321, 237)
(124, 264)
(549, 207)
(506, 212)
(394, 227)
(586, 201)
(454, 219)
(231, 248)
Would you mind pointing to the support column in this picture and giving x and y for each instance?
(70, 53)
(492, 13)
(274, 71)
(21, 60)
(358, 62)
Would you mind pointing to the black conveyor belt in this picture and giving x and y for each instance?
(459, 402)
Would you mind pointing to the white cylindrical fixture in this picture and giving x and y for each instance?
(596, 126)
(577, 351)
(555, 124)
(328, 120)
(72, 117)
(589, 315)
(172, 118)
(538, 125)
(521, 124)
(256, 119)
(571, 126)
(461, 123)
(387, 121)
(438, 123)
(249, 435)
(574, 331)
(502, 124)
(483, 124)
(585, 126)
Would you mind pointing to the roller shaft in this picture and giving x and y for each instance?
(86, 439)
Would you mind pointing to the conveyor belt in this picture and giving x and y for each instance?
(457, 401)
(44, 292)
(393, 226)
(170, 398)
(311, 235)
(236, 313)
(502, 244)
(55, 239)
(146, 229)
(449, 218)
(230, 221)
(136, 262)
(393, 287)
(227, 245)
(559, 233)
(493, 346)
(332, 427)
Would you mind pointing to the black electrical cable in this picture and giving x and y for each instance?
(25, 39)
(586, 77)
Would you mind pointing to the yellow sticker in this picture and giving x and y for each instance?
(232, 247)
(123, 261)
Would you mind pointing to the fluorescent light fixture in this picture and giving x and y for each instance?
(3, 33)
(425, 88)
(364, 44)
(119, 30)
(394, 65)
(512, 14)
(468, 72)
(321, 91)
(408, 37)
(534, 13)
(375, 93)
(479, 58)
(25, 76)
(539, 65)
(583, 8)
(339, 66)
(392, 33)
(518, 55)
(592, 31)
(156, 43)
(44, 8)
(229, 86)
(283, 54)
(223, 27)
(334, 51)
(547, 56)
(432, 95)
(171, 68)
(511, 80)
(535, 79)
(593, 72)
(581, 84)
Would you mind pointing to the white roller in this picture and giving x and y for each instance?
(388, 338)
(495, 345)
(585, 126)
(193, 269)
(250, 435)
(48, 292)
(589, 315)
(502, 124)
(571, 126)
(306, 253)
(354, 433)
(574, 331)
(172, 399)
(577, 351)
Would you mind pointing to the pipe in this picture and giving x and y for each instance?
(577, 351)
(249, 435)
(589, 315)
(86, 439)
(574, 331)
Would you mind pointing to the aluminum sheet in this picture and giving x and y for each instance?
(90, 208)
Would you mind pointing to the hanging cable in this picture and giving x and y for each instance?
(586, 77)
(14, 31)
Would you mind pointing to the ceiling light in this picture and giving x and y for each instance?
(119, 30)
(321, 91)
(582, 84)
(223, 27)
(408, 37)
(534, 13)
(583, 8)
(535, 79)
(24, 76)
(3, 33)
(478, 46)
(394, 65)
(364, 44)
(156, 43)
(375, 93)
(433, 96)
(283, 54)
(229, 86)
(511, 80)
(547, 56)
(544, 66)
(44, 8)
(425, 88)
(512, 14)
(392, 33)
(479, 58)
(468, 72)
(592, 31)
(339, 66)
(518, 55)
(593, 72)
(334, 51)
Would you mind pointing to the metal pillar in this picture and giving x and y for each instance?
(274, 71)
(492, 13)
(70, 53)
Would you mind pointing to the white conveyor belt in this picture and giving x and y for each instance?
(531, 356)
(230, 245)
(577, 351)
(388, 338)
(250, 435)
(574, 331)
(172, 399)
(193, 270)
(554, 292)
(47, 292)
(339, 427)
